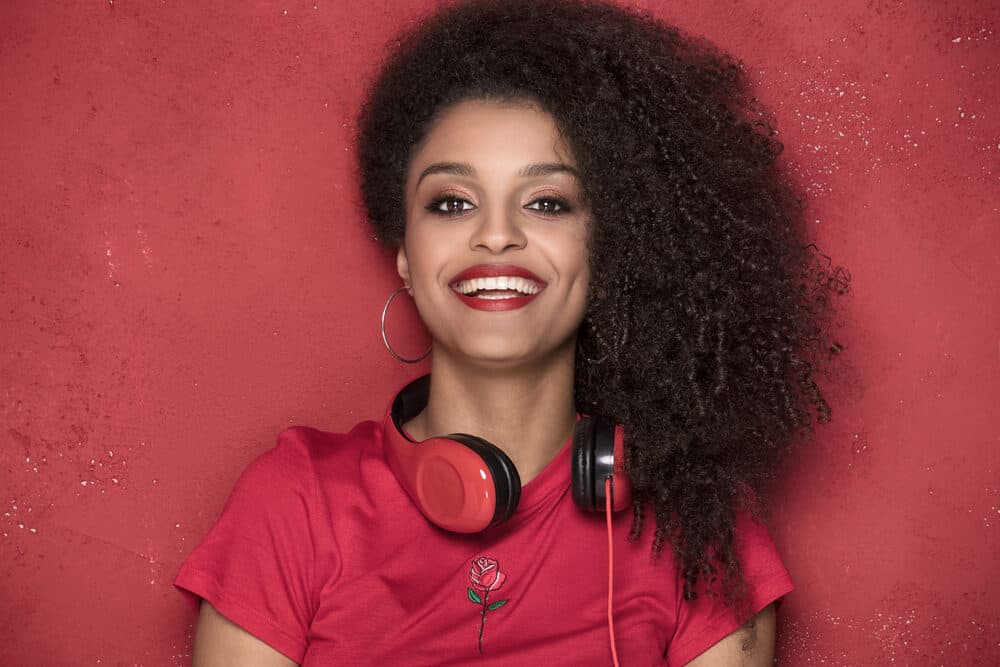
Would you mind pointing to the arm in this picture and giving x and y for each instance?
(218, 642)
(750, 645)
(254, 570)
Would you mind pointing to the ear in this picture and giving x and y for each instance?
(403, 265)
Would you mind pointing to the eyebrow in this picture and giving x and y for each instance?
(547, 169)
(535, 170)
(456, 168)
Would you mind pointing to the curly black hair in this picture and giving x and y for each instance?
(708, 314)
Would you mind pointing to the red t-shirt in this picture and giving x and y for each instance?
(320, 553)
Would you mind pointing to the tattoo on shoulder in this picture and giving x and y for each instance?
(749, 635)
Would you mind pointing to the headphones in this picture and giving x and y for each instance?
(465, 484)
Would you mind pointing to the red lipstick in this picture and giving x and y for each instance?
(494, 271)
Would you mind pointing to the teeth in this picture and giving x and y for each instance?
(498, 283)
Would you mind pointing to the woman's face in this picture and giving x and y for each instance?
(495, 248)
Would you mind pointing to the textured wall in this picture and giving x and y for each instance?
(184, 271)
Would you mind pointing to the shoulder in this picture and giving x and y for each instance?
(302, 449)
(708, 618)
(288, 475)
(262, 564)
(763, 569)
(319, 444)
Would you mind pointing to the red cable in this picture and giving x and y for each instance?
(611, 571)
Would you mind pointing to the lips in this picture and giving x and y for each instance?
(494, 287)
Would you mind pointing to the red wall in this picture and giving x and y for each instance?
(184, 271)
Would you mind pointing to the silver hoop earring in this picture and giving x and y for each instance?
(385, 339)
(600, 342)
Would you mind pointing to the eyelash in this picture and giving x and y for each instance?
(435, 206)
(563, 205)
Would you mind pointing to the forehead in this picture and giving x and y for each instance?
(492, 134)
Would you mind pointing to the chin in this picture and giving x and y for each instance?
(498, 356)
(506, 354)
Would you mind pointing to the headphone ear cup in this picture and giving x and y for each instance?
(582, 459)
(506, 481)
(599, 454)
(460, 482)
(621, 484)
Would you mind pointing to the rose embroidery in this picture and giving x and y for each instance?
(485, 575)
(484, 578)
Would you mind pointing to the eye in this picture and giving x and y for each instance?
(548, 206)
(449, 205)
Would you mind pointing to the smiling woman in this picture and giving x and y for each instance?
(623, 309)
(492, 196)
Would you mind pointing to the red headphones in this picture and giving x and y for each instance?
(465, 484)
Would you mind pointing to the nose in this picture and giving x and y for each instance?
(498, 230)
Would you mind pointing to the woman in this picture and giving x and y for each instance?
(590, 227)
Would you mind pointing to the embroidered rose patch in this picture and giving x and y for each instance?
(485, 577)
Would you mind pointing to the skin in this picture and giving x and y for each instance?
(505, 375)
(750, 645)
(218, 642)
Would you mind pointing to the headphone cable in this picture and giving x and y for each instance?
(611, 571)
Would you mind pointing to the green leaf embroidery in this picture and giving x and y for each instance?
(473, 597)
(496, 605)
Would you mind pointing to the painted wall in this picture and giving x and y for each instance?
(184, 271)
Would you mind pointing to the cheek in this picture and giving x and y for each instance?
(576, 263)
(420, 252)
(431, 254)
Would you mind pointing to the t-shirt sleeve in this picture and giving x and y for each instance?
(703, 622)
(256, 565)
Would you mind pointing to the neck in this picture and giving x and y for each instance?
(528, 412)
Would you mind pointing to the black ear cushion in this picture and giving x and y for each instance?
(410, 401)
(505, 478)
(583, 464)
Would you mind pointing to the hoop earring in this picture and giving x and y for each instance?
(600, 342)
(385, 339)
